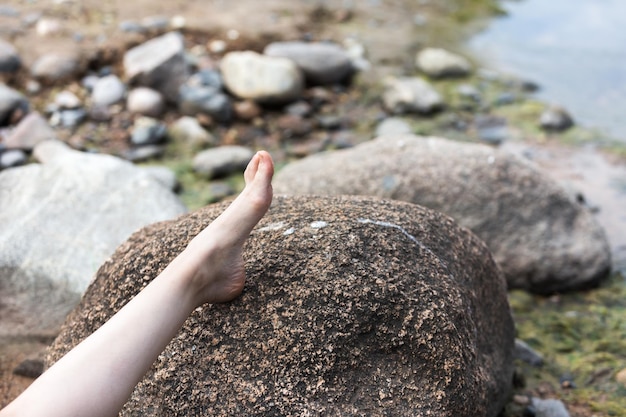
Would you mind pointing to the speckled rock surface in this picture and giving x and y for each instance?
(543, 239)
(353, 307)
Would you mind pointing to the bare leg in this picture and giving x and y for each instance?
(97, 376)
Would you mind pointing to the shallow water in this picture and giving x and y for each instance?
(574, 49)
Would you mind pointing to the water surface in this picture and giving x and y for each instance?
(574, 49)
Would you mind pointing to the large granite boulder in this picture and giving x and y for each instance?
(59, 221)
(353, 306)
(542, 238)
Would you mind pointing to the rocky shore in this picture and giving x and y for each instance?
(151, 116)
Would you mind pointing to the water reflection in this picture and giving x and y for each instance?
(575, 49)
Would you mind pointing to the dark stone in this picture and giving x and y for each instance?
(208, 100)
(353, 306)
(30, 368)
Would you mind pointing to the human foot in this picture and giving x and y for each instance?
(216, 252)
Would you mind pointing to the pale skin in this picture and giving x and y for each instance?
(96, 378)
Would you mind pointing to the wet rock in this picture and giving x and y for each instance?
(206, 100)
(548, 408)
(55, 67)
(249, 75)
(188, 130)
(67, 100)
(410, 95)
(439, 63)
(527, 354)
(12, 105)
(543, 240)
(108, 90)
(10, 61)
(352, 306)
(145, 101)
(393, 126)
(148, 131)
(321, 62)
(222, 161)
(10, 158)
(32, 130)
(555, 118)
(159, 63)
(47, 257)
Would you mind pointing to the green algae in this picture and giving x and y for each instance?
(582, 337)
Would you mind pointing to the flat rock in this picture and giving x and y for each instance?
(250, 75)
(159, 63)
(321, 62)
(439, 63)
(544, 240)
(352, 307)
(410, 95)
(59, 221)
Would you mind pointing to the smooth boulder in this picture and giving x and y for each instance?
(544, 240)
(261, 78)
(59, 221)
(352, 307)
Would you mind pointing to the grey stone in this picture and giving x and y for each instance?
(148, 131)
(144, 153)
(261, 78)
(225, 160)
(145, 101)
(410, 95)
(163, 175)
(10, 61)
(490, 129)
(549, 408)
(11, 102)
(321, 62)
(55, 67)
(555, 118)
(352, 307)
(59, 221)
(543, 240)
(527, 354)
(12, 157)
(206, 100)
(438, 63)
(159, 63)
(32, 130)
(393, 126)
(69, 118)
(188, 130)
(108, 90)
(206, 78)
